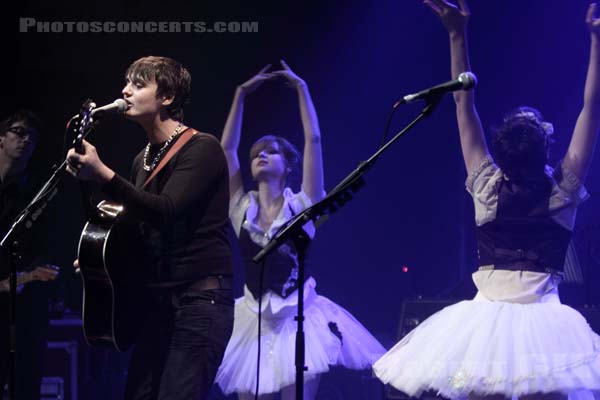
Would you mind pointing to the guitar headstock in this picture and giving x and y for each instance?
(45, 273)
(85, 123)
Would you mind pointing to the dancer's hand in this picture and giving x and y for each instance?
(294, 80)
(253, 83)
(454, 17)
(592, 22)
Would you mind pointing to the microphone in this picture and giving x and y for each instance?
(118, 106)
(465, 81)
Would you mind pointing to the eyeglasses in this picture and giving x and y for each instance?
(23, 131)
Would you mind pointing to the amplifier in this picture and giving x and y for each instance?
(62, 360)
(53, 388)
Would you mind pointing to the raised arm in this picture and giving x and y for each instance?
(472, 138)
(581, 149)
(312, 170)
(230, 140)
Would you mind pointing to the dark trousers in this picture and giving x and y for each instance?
(181, 345)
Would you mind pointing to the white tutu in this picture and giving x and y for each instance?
(486, 347)
(332, 336)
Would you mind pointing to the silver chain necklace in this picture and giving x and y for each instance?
(161, 151)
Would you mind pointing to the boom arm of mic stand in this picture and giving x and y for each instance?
(340, 194)
(46, 192)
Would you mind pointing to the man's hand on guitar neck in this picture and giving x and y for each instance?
(88, 166)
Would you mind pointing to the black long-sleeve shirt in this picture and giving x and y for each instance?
(183, 210)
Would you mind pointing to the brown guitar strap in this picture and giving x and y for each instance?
(185, 136)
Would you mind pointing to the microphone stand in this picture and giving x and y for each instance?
(25, 220)
(319, 213)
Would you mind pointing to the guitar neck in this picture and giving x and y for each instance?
(22, 279)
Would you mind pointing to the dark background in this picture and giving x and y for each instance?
(358, 58)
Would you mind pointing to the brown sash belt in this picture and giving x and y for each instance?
(211, 283)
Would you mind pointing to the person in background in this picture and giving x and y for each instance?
(19, 135)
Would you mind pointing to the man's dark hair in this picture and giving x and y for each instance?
(27, 117)
(172, 80)
(521, 142)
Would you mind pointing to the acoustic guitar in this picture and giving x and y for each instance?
(111, 256)
(112, 260)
